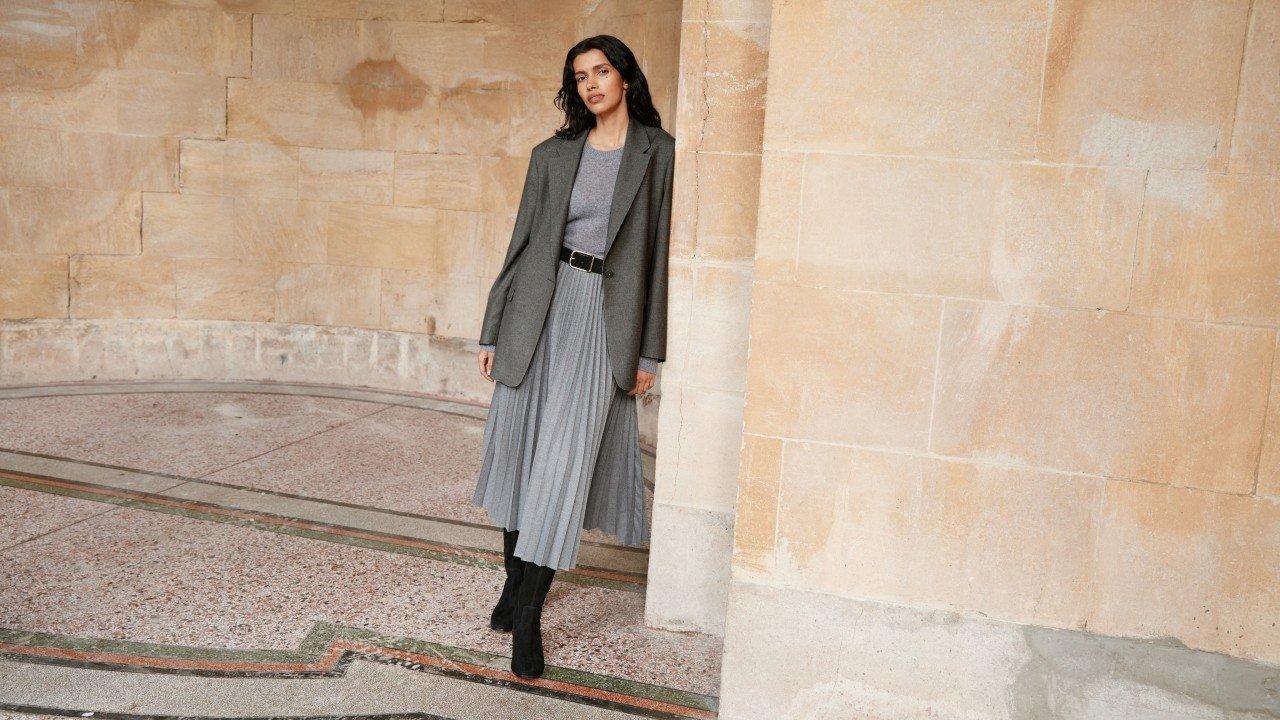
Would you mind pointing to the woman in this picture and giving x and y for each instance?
(574, 327)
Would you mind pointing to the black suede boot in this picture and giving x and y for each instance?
(504, 612)
(526, 633)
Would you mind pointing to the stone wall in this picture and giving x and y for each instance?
(333, 164)
(1012, 424)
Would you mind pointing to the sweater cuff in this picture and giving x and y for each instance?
(490, 348)
(649, 365)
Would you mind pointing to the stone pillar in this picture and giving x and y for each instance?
(720, 115)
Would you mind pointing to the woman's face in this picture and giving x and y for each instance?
(599, 83)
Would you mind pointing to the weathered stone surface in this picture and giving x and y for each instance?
(1209, 248)
(722, 86)
(688, 569)
(456, 182)
(159, 103)
(431, 304)
(718, 328)
(46, 351)
(493, 11)
(419, 10)
(58, 221)
(234, 227)
(149, 35)
(183, 40)
(122, 286)
(320, 50)
(104, 161)
(1269, 465)
(885, 662)
(456, 55)
(1220, 552)
(1102, 394)
(506, 51)
(32, 157)
(1255, 144)
(226, 289)
(1022, 233)
(779, 216)
(661, 29)
(755, 526)
(386, 110)
(381, 236)
(235, 167)
(937, 532)
(726, 209)
(1131, 84)
(973, 93)
(842, 366)
(479, 121)
(363, 176)
(706, 443)
(33, 286)
(329, 295)
(725, 10)
(82, 31)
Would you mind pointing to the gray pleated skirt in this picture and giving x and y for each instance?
(562, 449)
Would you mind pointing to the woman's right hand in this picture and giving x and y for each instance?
(485, 358)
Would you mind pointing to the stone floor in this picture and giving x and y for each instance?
(251, 550)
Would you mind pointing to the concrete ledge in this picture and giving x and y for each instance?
(796, 654)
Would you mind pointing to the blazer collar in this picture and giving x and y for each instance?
(637, 150)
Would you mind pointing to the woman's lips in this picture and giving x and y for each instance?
(593, 98)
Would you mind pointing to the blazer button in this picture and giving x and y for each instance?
(608, 273)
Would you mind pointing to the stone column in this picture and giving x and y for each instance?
(720, 115)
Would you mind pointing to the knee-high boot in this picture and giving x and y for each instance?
(504, 612)
(526, 633)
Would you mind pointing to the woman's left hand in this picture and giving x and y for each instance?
(644, 381)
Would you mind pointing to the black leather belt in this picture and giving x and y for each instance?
(582, 260)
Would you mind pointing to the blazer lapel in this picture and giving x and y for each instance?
(636, 153)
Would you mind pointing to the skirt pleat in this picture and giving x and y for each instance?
(561, 450)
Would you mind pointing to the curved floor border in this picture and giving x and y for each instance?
(63, 666)
(396, 530)
(424, 401)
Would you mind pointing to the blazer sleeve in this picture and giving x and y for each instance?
(653, 343)
(497, 301)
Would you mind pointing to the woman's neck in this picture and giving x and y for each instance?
(613, 126)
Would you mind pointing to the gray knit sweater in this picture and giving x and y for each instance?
(588, 222)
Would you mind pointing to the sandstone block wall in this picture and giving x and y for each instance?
(341, 164)
(1012, 364)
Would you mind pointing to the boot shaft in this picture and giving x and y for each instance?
(534, 584)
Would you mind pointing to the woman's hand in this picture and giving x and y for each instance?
(485, 358)
(644, 381)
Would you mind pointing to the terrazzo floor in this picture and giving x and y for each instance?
(106, 570)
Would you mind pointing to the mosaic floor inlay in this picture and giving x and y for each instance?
(306, 554)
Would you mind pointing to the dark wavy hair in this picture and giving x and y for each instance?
(577, 118)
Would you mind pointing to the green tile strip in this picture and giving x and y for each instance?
(312, 650)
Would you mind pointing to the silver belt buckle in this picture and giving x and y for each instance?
(573, 254)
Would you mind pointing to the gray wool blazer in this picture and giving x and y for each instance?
(635, 263)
